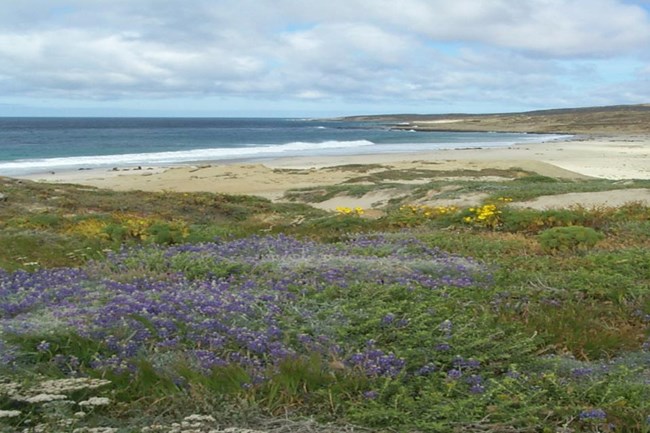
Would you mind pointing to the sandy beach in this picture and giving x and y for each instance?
(613, 157)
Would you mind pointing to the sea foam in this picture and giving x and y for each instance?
(173, 157)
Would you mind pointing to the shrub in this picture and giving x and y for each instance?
(168, 233)
(90, 228)
(536, 178)
(412, 215)
(572, 239)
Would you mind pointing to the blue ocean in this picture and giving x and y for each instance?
(35, 145)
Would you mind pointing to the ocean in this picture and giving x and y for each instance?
(36, 145)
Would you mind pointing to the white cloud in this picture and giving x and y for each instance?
(356, 50)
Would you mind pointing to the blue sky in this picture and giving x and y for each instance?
(319, 57)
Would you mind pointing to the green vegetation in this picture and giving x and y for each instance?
(573, 239)
(217, 311)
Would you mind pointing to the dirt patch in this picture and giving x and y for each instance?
(464, 200)
(613, 198)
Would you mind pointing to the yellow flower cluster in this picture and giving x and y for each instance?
(90, 228)
(136, 225)
(342, 210)
(486, 215)
(427, 211)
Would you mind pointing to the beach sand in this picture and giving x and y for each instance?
(613, 157)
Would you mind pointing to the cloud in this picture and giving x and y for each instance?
(346, 50)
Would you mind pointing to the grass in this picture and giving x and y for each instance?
(418, 174)
(299, 320)
(518, 185)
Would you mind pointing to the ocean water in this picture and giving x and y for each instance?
(35, 145)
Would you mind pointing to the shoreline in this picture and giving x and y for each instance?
(610, 157)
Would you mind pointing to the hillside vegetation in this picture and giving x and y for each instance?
(198, 312)
(614, 120)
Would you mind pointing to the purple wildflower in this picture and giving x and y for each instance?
(426, 369)
(43, 346)
(239, 318)
(371, 395)
(581, 372)
(477, 389)
(375, 362)
(593, 414)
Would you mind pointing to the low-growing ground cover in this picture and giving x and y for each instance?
(429, 319)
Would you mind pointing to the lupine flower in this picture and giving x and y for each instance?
(43, 346)
(593, 414)
(388, 319)
(371, 395)
(214, 320)
(426, 370)
(581, 372)
(477, 389)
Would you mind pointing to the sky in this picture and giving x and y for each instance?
(310, 58)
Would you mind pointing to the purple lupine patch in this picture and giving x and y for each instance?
(217, 318)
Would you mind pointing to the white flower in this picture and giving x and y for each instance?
(9, 388)
(95, 401)
(240, 430)
(9, 413)
(41, 398)
(197, 418)
(67, 385)
(95, 430)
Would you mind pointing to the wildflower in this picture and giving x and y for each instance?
(95, 430)
(375, 362)
(476, 382)
(58, 386)
(446, 327)
(371, 395)
(477, 388)
(199, 418)
(95, 401)
(426, 369)
(593, 414)
(10, 388)
(41, 398)
(388, 319)
(9, 413)
(454, 374)
(43, 346)
(581, 372)
(342, 210)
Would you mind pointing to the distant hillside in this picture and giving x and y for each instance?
(616, 119)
